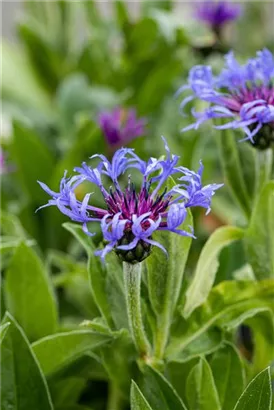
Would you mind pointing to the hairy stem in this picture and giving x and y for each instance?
(132, 281)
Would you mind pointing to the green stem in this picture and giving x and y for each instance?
(132, 282)
(264, 167)
(114, 397)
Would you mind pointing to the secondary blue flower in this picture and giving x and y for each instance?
(121, 126)
(242, 93)
(130, 218)
(217, 13)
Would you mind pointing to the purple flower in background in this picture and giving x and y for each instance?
(242, 93)
(130, 217)
(217, 13)
(4, 167)
(121, 126)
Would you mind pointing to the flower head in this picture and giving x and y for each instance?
(217, 13)
(121, 126)
(242, 93)
(130, 217)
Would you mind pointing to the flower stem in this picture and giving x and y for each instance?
(114, 397)
(132, 283)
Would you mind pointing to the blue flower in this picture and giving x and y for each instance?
(130, 218)
(242, 93)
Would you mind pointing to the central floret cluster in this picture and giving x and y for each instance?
(243, 93)
(130, 218)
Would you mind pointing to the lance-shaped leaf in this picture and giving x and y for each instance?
(28, 291)
(239, 173)
(23, 385)
(159, 392)
(228, 372)
(137, 400)
(208, 265)
(228, 305)
(200, 388)
(258, 394)
(259, 237)
(165, 276)
(57, 351)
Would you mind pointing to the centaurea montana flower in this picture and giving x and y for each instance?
(217, 13)
(243, 93)
(121, 126)
(130, 218)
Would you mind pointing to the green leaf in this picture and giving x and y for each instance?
(258, 394)
(57, 351)
(108, 290)
(262, 326)
(200, 388)
(228, 305)
(121, 14)
(235, 170)
(66, 391)
(33, 161)
(178, 373)
(23, 385)
(205, 343)
(259, 237)
(228, 372)
(28, 292)
(113, 358)
(207, 266)
(137, 400)
(165, 277)
(159, 392)
(3, 330)
(97, 276)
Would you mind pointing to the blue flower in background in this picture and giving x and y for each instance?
(217, 13)
(243, 94)
(130, 217)
(121, 126)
